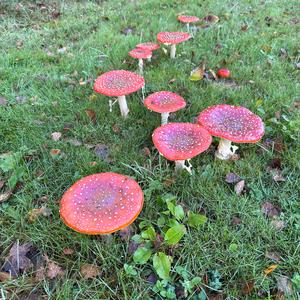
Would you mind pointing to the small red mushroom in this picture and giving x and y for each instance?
(172, 38)
(223, 73)
(164, 102)
(140, 54)
(188, 20)
(119, 83)
(101, 203)
(232, 124)
(148, 46)
(181, 141)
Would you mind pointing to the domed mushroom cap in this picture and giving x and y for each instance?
(188, 19)
(140, 53)
(148, 46)
(180, 141)
(234, 123)
(172, 37)
(118, 83)
(101, 203)
(164, 101)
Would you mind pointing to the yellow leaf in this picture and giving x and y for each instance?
(198, 73)
(270, 269)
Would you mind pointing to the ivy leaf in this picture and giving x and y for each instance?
(162, 265)
(149, 233)
(141, 255)
(174, 234)
(196, 220)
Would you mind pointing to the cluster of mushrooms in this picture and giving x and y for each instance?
(106, 202)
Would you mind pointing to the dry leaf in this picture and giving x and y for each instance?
(102, 151)
(3, 101)
(270, 269)
(270, 210)
(273, 256)
(278, 224)
(89, 271)
(284, 285)
(55, 136)
(211, 19)
(53, 270)
(68, 251)
(239, 187)
(33, 214)
(244, 27)
(198, 73)
(146, 152)
(55, 152)
(248, 287)
(232, 178)
(236, 221)
(1, 184)
(4, 276)
(74, 142)
(91, 114)
(5, 196)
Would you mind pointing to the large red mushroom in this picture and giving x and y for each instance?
(101, 203)
(140, 54)
(181, 141)
(119, 83)
(172, 38)
(164, 102)
(232, 124)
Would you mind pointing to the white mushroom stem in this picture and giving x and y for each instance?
(164, 118)
(188, 27)
(173, 51)
(141, 65)
(180, 165)
(225, 149)
(123, 106)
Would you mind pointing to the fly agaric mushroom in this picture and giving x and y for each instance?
(181, 141)
(119, 83)
(164, 102)
(172, 38)
(101, 203)
(140, 54)
(223, 73)
(148, 46)
(188, 20)
(232, 124)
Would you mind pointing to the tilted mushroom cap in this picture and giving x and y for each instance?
(234, 123)
(148, 46)
(188, 19)
(172, 37)
(164, 101)
(118, 83)
(101, 203)
(181, 141)
(140, 53)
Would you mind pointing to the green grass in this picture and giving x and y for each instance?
(91, 32)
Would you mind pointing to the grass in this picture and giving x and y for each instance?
(32, 67)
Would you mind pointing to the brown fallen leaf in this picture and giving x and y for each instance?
(270, 210)
(33, 214)
(74, 142)
(116, 129)
(68, 251)
(3, 101)
(239, 187)
(4, 276)
(284, 285)
(53, 270)
(5, 196)
(244, 27)
(273, 256)
(55, 136)
(248, 287)
(211, 19)
(126, 233)
(102, 151)
(236, 221)
(278, 224)
(55, 152)
(127, 31)
(92, 115)
(270, 269)
(277, 175)
(89, 271)
(146, 151)
(232, 178)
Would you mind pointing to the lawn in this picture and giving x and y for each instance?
(247, 245)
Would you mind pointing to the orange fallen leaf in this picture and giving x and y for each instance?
(270, 269)
(91, 114)
(55, 152)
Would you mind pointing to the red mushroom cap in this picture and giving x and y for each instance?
(223, 73)
(234, 123)
(180, 141)
(148, 46)
(164, 101)
(101, 203)
(118, 83)
(188, 19)
(172, 37)
(140, 53)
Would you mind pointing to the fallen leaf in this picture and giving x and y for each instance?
(53, 270)
(102, 151)
(116, 129)
(270, 210)
(92, 163)
(5, 196)
(91, 114)
(198, 73)
(278, 224)
(282, 53)
(244, 27)
(171, 80)
(270, 269)
(277, 175)
(127, 30)
(74, 142)
(68, 251)
(239, 187)
(33, 214)
(1, 184)
(273, 256)
(236, 221)
(3, 101)
(169, 181)
(212, 72)
(298, 66)
(21, 99)
(55, 136)
(126, 233)
(4, 276)
(146, 152)
(248, 287)
(211, 19)
(89, 271)
(232, 178)
(55, 152)
(217, 48)
(284, 285)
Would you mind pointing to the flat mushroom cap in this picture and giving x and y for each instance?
(172, 37)
(164, 102)
(180, 141)
(234, 123)
(140, 53)
(118, 83)
(101, 203)
(148, 46)
(188, 19)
